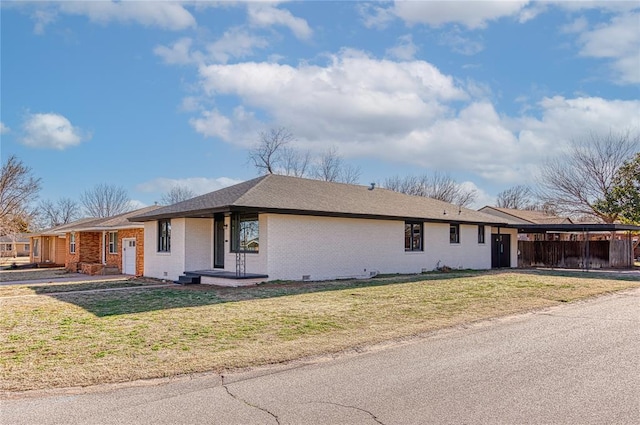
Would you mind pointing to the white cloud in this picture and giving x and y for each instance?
(51, 131)
(4, 129)
(617, 40)
(136, 204)
(199, 185)
(167, 15)
(406, 112)
(471, 14)
(461, 44)
(179, 53)
(268, 14)
(235, 43)
(405, 49)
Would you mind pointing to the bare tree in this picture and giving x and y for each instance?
(576, 182)
(267, 154)
(105, 200)
(517, 197)
(177, 194)
(64, 211)
(18, 188)
(331, 168)
(294, 163)
(436, 185)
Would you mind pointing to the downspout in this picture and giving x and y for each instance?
(104, 251)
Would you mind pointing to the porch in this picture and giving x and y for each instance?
(221, 278)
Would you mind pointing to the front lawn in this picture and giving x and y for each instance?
(72, 338)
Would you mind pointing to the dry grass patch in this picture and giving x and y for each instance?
(32, 274)
(88, 338)
(59, 287)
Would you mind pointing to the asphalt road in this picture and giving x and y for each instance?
(572, 364)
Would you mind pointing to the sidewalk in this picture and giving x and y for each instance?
(71, 277)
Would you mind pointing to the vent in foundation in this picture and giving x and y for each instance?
(306, 277)
(164, 274)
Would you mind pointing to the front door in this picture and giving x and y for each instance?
(129, 256)
(500, 251)
(218, 243)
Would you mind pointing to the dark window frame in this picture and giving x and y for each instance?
(481, 234)
(240, 241)
(454, 233)
(410, 228)
(164, 235)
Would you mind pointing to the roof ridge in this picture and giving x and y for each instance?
(257, 180)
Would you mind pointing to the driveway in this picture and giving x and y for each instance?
(572, 364)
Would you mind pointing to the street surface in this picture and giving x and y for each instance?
(572, 364)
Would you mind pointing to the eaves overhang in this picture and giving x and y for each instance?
(576, 228)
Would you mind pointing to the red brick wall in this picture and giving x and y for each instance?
(87, 249)
(138, 234)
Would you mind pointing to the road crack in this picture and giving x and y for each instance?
(246, 402)
(374, 417)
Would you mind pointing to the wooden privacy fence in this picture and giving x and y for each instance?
(575, 254)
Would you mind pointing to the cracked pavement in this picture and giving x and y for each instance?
(574, 363)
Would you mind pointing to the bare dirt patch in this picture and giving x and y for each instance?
(79, 339)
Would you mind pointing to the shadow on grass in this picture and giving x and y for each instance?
(130, 301)
(43, 289)
(610, 274)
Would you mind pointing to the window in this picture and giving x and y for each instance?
(454, 233)
(26, 247)
(72, 243)
(7, 247)
(412, 236)
(113, 242)
(245, 233)
(164, 236)
(481, 233)
(35, 247)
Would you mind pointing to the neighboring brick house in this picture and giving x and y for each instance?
(280, 227)
(49, 247)
(104, 245)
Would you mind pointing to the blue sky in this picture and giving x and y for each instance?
(150, 94)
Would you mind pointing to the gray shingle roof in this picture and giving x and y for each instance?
(528, 216)
(284, 194)
(92, 223)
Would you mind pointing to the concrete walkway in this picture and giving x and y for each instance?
(67, 278)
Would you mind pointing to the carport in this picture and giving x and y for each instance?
(591, 246)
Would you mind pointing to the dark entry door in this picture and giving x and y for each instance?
(500, 251)
(218, 243)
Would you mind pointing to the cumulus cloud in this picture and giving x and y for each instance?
(235, 43)
(617, 40)
(268, 14)
(406, 112)
(405, 49)
(52, 131)
(167, 15)
(472, 14)
(4, 129)
(199, 185)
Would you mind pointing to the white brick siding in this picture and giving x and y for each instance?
(327, 247)
(293, 246)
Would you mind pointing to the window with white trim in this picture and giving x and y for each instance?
(113, 242)
(72, 243)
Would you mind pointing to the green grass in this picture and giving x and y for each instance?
(58, 339)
